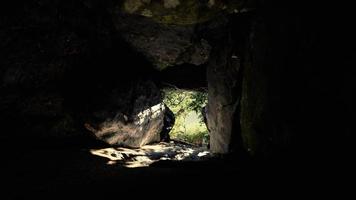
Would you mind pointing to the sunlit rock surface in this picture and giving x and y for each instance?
(150, 154)
(120, 124)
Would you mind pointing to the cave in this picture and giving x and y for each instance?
(90, 93)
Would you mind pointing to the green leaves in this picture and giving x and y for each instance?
(187, 106)
(199, 100)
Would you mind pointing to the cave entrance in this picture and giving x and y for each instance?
(188, 108)
(184, 121)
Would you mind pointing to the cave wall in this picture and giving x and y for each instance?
(280, 74)
(222, 97)
(224, 76)
(63, 65)
(297, 82)
(66, 63)
(294, 90)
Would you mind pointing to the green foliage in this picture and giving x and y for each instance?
(200, 99)
(187, 106)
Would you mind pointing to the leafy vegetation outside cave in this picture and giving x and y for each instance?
(187, 107)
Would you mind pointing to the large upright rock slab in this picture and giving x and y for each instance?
(225, 71)
(223, 100)
(130, 125)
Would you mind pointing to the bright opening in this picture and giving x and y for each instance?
(188, 108)
(189, 135)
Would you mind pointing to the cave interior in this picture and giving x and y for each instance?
(81, 95)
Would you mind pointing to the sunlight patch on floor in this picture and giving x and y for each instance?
(149, 154)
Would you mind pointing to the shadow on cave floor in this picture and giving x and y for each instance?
(60, 171)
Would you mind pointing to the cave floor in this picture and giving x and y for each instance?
(149, 154)
(58, 172)
(161, 170)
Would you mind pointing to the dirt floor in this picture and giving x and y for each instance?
(165, 170)
(86, 172)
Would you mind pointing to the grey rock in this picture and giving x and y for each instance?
(164, 45)
(135, 127)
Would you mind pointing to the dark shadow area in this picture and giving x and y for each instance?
(194, 77)
(284, 72)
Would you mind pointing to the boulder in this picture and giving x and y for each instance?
(130, 125)
(168, 32)
(163, 45)
(180, 12)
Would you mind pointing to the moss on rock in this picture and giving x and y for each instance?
(180, 12)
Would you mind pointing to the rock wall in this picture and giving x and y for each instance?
(222, 97)
(292, 77)
(64, 65)
(294, 104)
(280, 75)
